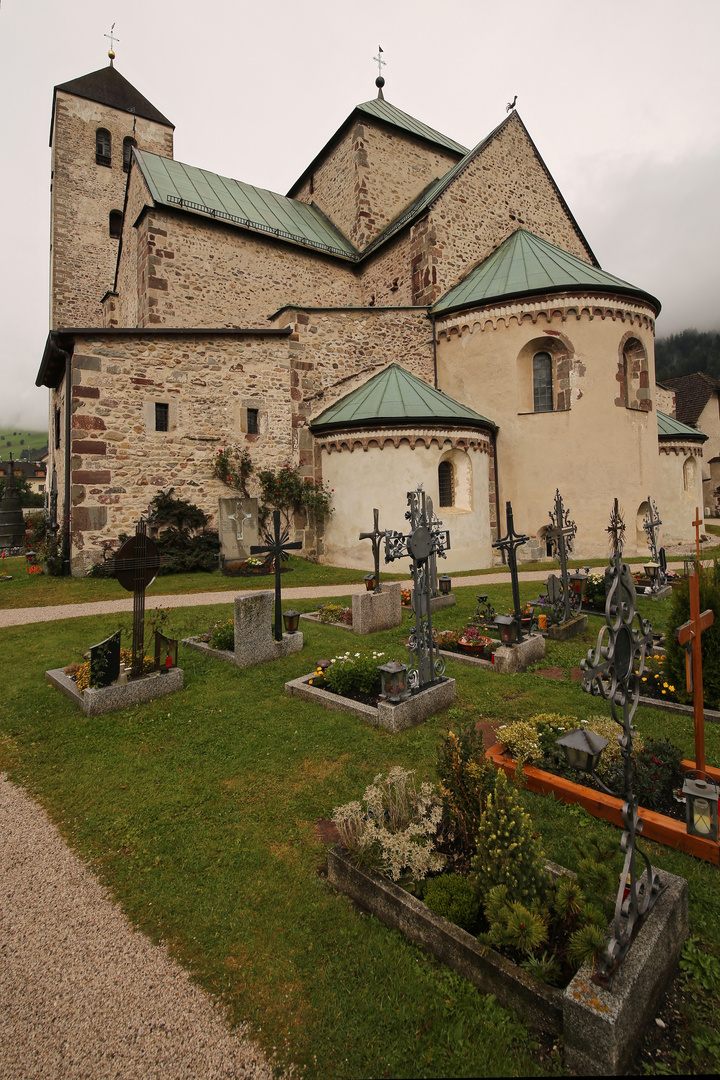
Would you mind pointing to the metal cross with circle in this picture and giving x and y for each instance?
(561, 534)
(616, 529)
(136, 564)
(374, 537)
(509, 544)
(276, 549)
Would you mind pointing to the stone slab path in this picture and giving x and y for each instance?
(84, 996)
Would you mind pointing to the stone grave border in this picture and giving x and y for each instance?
(95, 702)
(611, 1022)
(409, 713)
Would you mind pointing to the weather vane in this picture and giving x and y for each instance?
(113, 39)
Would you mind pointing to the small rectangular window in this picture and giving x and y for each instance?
(252, 421)
(57, 429)
(162, 416)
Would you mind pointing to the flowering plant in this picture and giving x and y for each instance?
(395, 831)
(349, 675)
(335, 613)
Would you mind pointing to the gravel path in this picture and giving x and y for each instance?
(82, 994)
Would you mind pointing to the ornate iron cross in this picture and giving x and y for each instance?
(651, 525)
(611, 673)
(276, 549)
(689, 635)
(509, 544)
(375, 536)
(425, 539)
(561, 534)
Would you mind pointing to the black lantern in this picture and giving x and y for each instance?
(578, 583)
(291, 619)
(445, 584)
(651, 570)
(701, 806)
(582, 749)
(370, 582)
(508, 627)
(394, 681)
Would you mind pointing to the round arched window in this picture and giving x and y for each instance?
(445, 483)
(542, 382)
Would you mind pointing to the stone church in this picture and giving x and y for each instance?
(411, 311)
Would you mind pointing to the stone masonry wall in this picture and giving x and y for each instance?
(370, 176)
(193, 272)
(83, 254)
(119, 462)
(505, 187)
(130, 306)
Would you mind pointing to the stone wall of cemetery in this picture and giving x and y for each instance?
(587, 447)
(504, 187)
(353, 464)
(370, 176)
(83, 254)
(119, 462)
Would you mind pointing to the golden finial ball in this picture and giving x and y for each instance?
(111, 54)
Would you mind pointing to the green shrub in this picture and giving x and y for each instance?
(466, 779)
(353, 674)
(508, 853)
(188, 553)
(453, 897)
(222, 635)
(657, 774)
(710, 639)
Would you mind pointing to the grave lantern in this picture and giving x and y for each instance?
(582, 749)
(508, 627)
(445, 584)
(651, 570)
(394, 681)
(701, 806)
(578, 583)
(166, 652)
(370, 582)
(292, 620)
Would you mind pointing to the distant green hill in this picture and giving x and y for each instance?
(687, 352)
(22, 443)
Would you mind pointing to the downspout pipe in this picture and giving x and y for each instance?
(497, 487)
(68, 428)
(435, 375)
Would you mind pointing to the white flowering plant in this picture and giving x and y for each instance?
(350, 674)
(395, 831)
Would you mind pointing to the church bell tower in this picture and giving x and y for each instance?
(96, 121)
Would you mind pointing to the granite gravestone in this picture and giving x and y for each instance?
(238, 528)
(105, 661)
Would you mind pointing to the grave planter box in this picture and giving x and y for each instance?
(569, 629)
(110, 698)
(312, 616)
(601, 1029)
(414, 710)
(658, 827)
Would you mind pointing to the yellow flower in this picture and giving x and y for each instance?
(672, 689)
(665, 684)
(662, 691)
(644, 678)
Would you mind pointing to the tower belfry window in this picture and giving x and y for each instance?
(128, 143)
(103, 147)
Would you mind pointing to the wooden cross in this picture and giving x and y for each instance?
(276, 550)
(697, 523)
(562, 532)
(689, 635)
(374, 538)
(510, 543)
(136, 564)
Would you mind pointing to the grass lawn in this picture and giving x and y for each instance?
(198, 812)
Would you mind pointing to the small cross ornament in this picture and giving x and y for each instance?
(276, 550)
(375, 537)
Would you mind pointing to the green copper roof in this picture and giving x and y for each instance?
(394, 396)
(670, 428)
(383, 110)
(172, 183)
(525, 264)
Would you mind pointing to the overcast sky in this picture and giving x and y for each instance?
(620, 96)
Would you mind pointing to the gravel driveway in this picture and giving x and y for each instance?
(82, 994)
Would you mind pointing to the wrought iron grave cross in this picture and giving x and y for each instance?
(611, 673)
(689, 635)
(651, 525)
(375, 536)
(509, 544)
(561, 533)
(276, 549)
(136, 564)
(424, 539)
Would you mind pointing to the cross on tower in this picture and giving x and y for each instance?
(379, 61)
(276, 550)
(562, 533)
(689, 635)
(510, 543)
(113, 39)
(375, 537)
